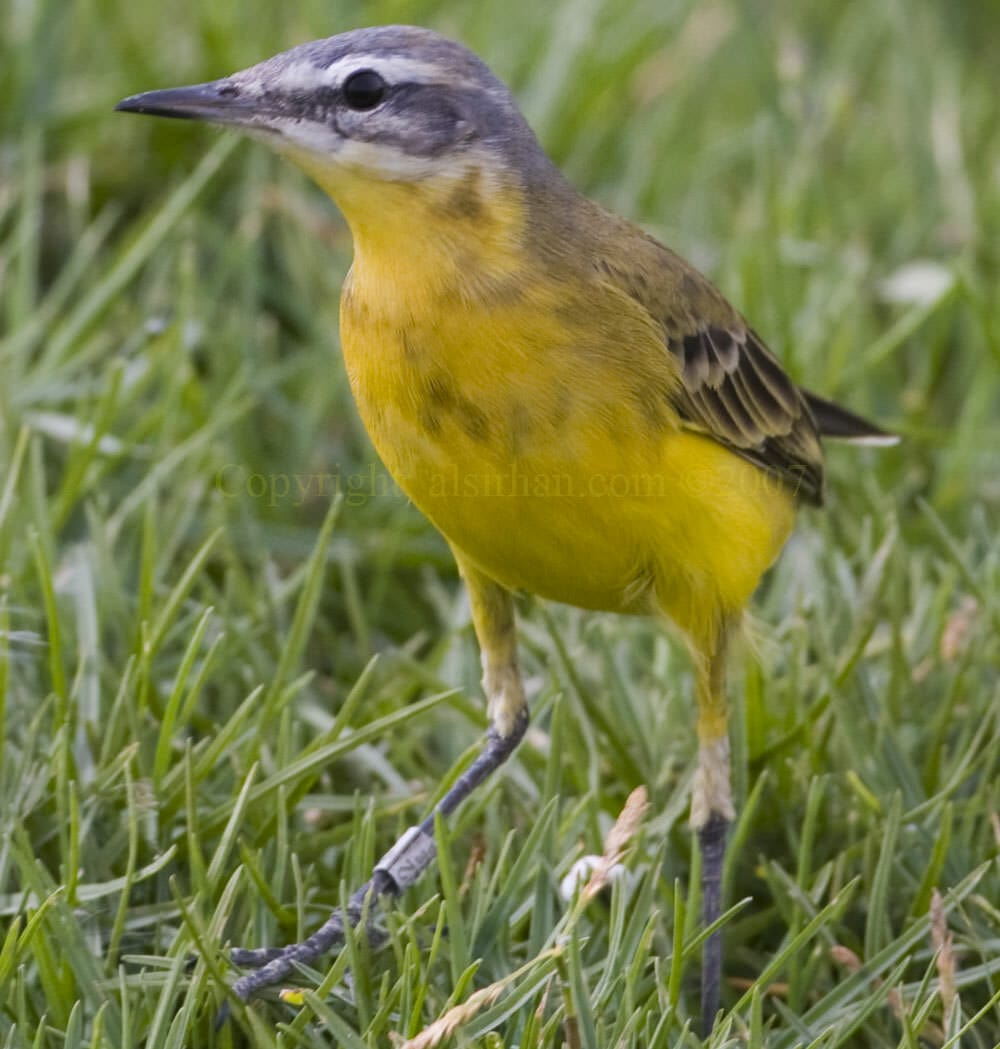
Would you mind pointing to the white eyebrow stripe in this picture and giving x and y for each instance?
(302, 76)
(396, 69)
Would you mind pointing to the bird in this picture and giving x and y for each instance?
(578, 410)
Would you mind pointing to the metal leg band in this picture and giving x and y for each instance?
(412, 854)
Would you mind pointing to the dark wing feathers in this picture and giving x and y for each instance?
(735, 391)
(834, 421)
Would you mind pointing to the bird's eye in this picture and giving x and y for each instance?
(364, 89)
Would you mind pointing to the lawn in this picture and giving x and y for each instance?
(235, 663)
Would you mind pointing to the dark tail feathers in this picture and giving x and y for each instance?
(837, 422)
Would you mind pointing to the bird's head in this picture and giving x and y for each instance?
(373, 110)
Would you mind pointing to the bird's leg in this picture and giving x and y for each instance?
(712, 809)
(409, 857)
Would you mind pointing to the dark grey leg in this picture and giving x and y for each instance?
(493, 618)
(399, 868)
(712, 842)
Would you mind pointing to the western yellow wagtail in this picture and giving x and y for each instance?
(579, 411)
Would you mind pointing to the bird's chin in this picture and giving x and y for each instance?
(298, 136)
(270, 135)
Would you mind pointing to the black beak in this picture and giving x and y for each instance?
(217, 102)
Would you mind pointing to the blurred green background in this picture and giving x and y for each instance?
(186, 685)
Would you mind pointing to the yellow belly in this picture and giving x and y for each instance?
(551, 478)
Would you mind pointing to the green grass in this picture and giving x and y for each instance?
(224, 692)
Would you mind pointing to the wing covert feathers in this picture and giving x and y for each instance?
(736, 391)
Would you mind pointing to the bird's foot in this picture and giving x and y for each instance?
(398, 868)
